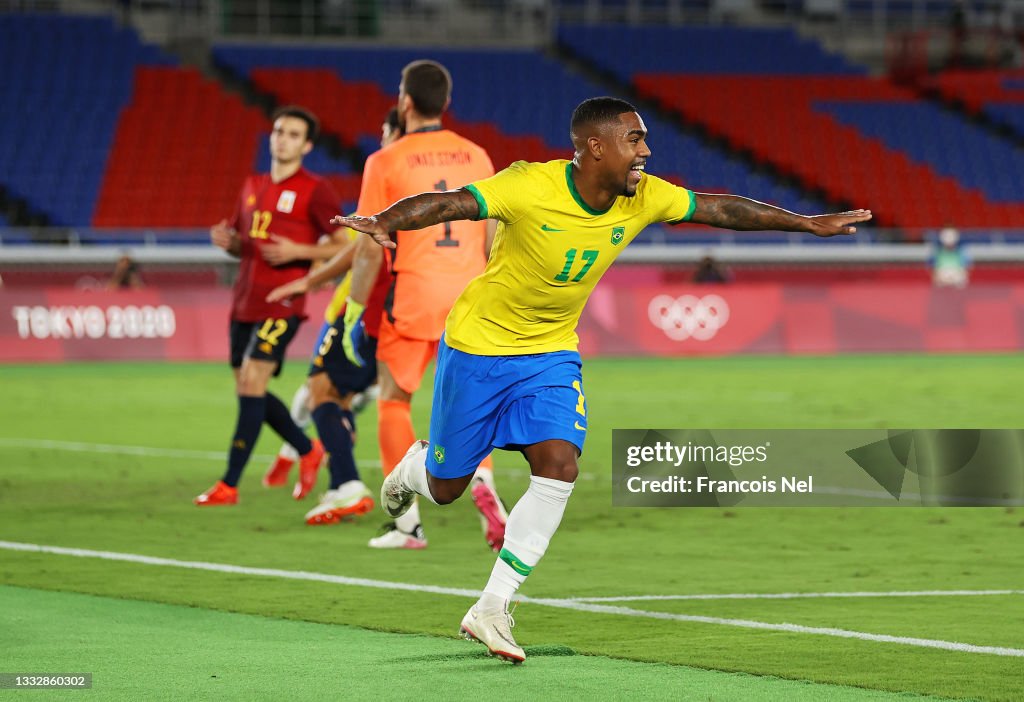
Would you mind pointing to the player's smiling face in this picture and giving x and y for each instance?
(288, 140)
(627, 154)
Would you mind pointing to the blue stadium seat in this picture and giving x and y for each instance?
(537, 97)
(69, 77)
(950, 145)
(703, 50)
(1007, 113)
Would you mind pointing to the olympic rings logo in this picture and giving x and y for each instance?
(688, 316)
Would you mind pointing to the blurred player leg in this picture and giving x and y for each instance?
(252, 379)
(493, 515)
(347, 495)
(277, 475)
(362, 400)
(395, 434)
(311, 453)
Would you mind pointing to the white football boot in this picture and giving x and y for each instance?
(347, 500)
(395, 497)
(492, 628)
(393, 537)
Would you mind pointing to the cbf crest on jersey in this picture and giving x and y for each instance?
(286, 202)
(618, 234)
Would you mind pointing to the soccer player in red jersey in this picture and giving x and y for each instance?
(287, 203)
(334, 380)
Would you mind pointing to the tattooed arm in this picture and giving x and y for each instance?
(744, 214)
(414, 212)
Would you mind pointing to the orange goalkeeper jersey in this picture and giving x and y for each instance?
(431, 266)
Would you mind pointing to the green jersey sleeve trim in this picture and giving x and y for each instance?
(479, 201)
(576, 195)
(689, 211)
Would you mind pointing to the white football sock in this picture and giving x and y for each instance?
(414, 475)
(300, 407)
(301, 416)
(411, 519)
(531, 524)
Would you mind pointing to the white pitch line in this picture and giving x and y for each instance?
(240, 570)
(558, 603)
(791, 628)
(115, 449)
(797, 595)
(125, 450)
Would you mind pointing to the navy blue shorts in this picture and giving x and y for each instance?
(262, 341)
(507, 402)
(329, 357)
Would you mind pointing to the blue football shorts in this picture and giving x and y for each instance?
(507, 402)
(329, 357)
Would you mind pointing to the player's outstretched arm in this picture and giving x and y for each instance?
(414, 212)
(744, 214)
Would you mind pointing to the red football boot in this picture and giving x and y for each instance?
(277, 476)
(220, 494)
(309, 464)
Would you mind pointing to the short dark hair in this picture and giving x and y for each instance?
(597, 110)
(429, 84)
(392, 120)
(312, 123)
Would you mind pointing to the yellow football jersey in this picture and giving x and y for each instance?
(337, 302)
(550, 250)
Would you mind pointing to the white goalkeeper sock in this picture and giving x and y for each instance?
(301, 416)
(300, 407)
(531, 524)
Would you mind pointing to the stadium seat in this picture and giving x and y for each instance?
(526, 120)
(862, 141)
(69, 77)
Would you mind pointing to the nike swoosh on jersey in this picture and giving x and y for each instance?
(546, 228)
(577, 425)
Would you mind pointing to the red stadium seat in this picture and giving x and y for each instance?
(823, 153)
(182, 149)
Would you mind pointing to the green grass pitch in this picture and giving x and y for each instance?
(107, 457)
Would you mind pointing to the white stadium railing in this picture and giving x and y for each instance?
(181, 247)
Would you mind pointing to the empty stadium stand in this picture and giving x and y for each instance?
(998, 94)
(110, 132)
(526, 119)
(862, 140)
(182, 150)
(66, 79)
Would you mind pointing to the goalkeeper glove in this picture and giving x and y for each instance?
(354, 332)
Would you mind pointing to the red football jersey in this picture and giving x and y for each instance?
(299, 208)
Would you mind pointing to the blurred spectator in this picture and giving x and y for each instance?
(710, 271)
(126, 275)
(949, 262)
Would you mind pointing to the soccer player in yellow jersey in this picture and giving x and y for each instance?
(508, 372)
